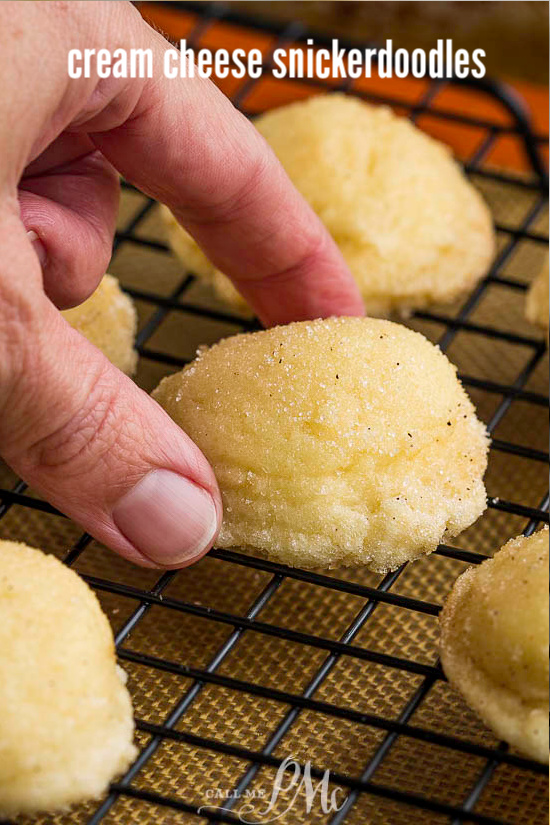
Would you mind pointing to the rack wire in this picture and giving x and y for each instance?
(174, 736)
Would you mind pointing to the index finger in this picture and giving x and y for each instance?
(186, 145)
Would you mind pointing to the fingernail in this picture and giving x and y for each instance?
(38, 246)
(168, 518)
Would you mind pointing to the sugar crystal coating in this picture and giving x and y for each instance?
(494, 642)
(108, 319)
(411, 227)
(338, 442)
(66, 722)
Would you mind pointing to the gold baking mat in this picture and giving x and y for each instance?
(238, 718)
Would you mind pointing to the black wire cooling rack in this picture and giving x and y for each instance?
(393, 729)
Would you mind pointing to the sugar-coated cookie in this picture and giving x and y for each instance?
(109, 320)
(494, 642)
(196, 262)
(66, 723)
(338, 442)
(536, 305)
(412, 228)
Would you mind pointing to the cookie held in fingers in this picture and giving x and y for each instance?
(494, 642)
(346, 441)
(66, 724)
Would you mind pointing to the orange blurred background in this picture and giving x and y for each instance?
(178, 23)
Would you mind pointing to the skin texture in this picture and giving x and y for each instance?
(82, 434)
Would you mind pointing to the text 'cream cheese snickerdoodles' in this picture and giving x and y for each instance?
(66, 723)
(411, 227)
(494, 642)
(345, 441)
(108, 319)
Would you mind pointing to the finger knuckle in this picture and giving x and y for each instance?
(249, 187)
(227, 203)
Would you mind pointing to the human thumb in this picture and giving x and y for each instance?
(88, 440)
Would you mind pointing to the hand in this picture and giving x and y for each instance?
(77, 430)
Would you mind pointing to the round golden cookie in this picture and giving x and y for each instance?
(338, 442)
(494, 642)
(66, 723)
(108, 319)
(411, 227)
(536, 305)
(196, 262)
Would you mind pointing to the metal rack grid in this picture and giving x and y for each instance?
(427, 675)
